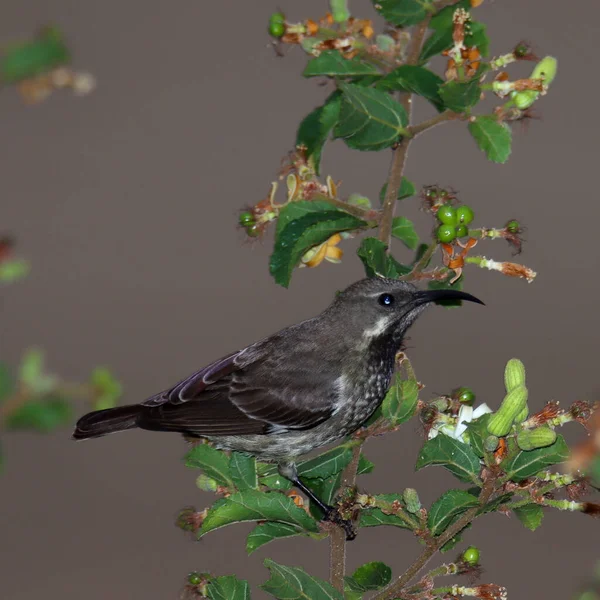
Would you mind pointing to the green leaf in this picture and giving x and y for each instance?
(213, 463)
(447, 508)
(326, 490)
(418, 80)
(275, 481)
(404, 230)
(477, 431)
(315, 128)
(40, 415)
(373, 517)
(455, 456)
(298, 235)
(370, 576)
(372, 253)
(407, 189)
(7, 384)
(108, 389)
(24, 61)
(251, 505)
(330, 63)
(267, 532)
(32, 367)
(294, 583)
(13, 270)
(530, 515)
(526, 463)
(327, 464)
(365, 466)
(228, 587)
(459, 96)
(493, 137)
(453, 541)
(446, 285)
(401, 12)
(400, 403)
(369, 119)
(243, 471)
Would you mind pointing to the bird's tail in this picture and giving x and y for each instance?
(103, 422)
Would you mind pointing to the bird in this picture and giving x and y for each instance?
(301, 388)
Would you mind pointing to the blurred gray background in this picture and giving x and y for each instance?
(126, 203)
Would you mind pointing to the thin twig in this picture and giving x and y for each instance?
(443, 117)
(394, 589)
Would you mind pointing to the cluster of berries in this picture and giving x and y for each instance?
(453, 222)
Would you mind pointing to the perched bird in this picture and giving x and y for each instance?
(296, 390)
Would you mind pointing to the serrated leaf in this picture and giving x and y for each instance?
(446, 285)
(524, 464)
(400, 402)
(275, 481)
(455, 456)
(417, 80)
(243, 471)
(404, 230)
(330, 63)
(531, 515)
(251, 505)
(493, 137)
(365, 466)
(401, 12)
(372, 253)
(406, 190)
(447, 508)
(459, 96)
(327, 464)
(267, 532)
(315, 128)
(374, 517)
(369, 119)
(7, 384)
(294, 583)
(326, 490)
(213, 463)
(371, 576)
(40, 415)
(302, 233)
(228, 587)
(477, 431)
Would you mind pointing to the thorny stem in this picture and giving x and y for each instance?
(400, 153)
(394, 589)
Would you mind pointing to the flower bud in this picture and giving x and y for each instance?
(411, 499)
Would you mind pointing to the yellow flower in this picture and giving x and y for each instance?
(327, 250)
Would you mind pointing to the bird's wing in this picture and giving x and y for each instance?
(255, 390)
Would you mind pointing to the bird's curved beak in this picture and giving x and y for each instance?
(427, 296)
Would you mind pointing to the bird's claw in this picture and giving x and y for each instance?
(333, 515)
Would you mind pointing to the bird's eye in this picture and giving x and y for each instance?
(386, 300)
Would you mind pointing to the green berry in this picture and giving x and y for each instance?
(247, 219)
(462, 230)
(194, 578)
(465, 395)
(276, 28)
(253, 231)
(465, 214)
(446, 233)
(471, 556)
(447, 214)
(513, 226)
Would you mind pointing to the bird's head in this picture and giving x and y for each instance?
(379, 307)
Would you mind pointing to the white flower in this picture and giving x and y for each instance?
(456, 427)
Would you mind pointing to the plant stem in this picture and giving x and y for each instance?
(394, 589)
(400, 153)
(422, 264)
(443, 117)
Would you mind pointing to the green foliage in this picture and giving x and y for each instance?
(327, 464)
(7, 383)
(228, 587)
(400, 403)
(291, 583)
(401, 12)
(365, 466)
(446, 509)
(213, 463)
(251, 505)
(407, 189)
(493, 137)
(478, 433)
(40, 415)
(376, 260)
(296, 235)
(243, 471)
(460, 96)
(530, 515)
(415, 79)
(13, 270)
(267, 532)
(108, 390)
(521, 464)
(455, 456)
(404, 230)
(330, 63)
(369, 119)
(369, 577)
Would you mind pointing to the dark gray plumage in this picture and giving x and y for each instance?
(296, 390)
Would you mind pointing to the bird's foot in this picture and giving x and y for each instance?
(333, 515)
